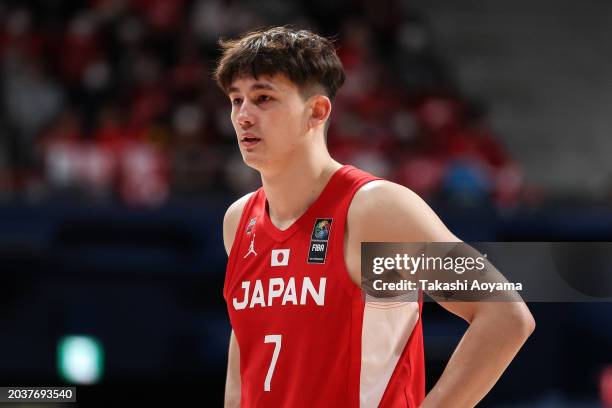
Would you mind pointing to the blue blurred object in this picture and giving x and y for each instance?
(466, 183)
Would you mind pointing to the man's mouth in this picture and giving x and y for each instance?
(249, 141)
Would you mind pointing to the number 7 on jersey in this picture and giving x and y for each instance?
(276, 339)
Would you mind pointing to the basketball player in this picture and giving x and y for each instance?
(302, 334)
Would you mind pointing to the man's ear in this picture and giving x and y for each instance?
(321, 109)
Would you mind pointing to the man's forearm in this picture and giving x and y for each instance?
(488, 346)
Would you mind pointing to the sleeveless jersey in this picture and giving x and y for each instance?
(306, 336)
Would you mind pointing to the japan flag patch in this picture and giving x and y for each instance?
(280, 257)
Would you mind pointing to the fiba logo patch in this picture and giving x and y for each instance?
(280, 257)
(321, 230)
(319, 238)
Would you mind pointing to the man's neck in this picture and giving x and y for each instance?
(292, 191)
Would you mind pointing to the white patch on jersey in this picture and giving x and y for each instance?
(387, 327)
(280, 257)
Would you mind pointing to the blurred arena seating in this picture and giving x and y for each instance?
(113, 101)
(118, 160)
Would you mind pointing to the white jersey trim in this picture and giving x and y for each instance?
(387, 327)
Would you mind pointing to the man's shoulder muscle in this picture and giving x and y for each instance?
(385, 211)
(382, 211)
(232, 219)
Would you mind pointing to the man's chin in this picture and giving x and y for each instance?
(254, 162)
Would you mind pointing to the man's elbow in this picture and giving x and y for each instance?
(513, 319)
(530, 323)
(522, 320)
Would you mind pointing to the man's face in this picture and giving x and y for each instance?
(270, 118)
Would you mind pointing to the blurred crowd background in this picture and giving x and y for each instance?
(113, 101)
(118, 159)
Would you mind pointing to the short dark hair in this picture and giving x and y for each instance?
(306, 58)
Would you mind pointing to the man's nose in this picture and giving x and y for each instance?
(245, 116)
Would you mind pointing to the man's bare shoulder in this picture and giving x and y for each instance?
(388, 212)
(381, 192)
(232, 219)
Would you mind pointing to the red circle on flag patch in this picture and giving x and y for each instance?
(279, 257)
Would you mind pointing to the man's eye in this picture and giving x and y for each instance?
(263, 98)
(236, 101)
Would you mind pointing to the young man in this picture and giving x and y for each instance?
(302, 334)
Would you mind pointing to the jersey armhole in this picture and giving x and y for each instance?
(231, 260)
(345, 277)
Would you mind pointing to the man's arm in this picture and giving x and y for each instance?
(387, 212)
(232, 380)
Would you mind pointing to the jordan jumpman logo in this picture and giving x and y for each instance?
(251, 247)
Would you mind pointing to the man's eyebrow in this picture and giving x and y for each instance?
(255, 87)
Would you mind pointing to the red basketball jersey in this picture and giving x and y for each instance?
(306, 336)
